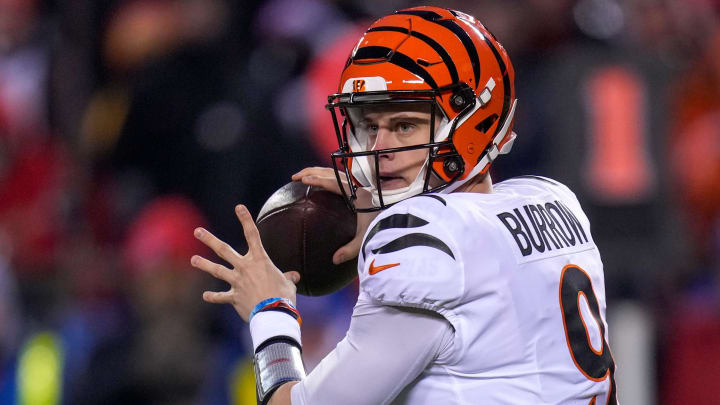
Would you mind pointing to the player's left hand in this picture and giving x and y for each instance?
(253, 277)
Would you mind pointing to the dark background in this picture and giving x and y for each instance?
(125, 124)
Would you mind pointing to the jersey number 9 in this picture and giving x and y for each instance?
(596, 365)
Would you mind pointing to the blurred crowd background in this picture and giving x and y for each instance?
(124, 124)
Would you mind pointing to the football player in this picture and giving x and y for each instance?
(470, 292)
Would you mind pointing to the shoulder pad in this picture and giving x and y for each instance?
(409, 258)
(541, 182)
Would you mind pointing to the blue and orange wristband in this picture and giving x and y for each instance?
(277, 304)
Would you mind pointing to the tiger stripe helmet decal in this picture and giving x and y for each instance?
(442, 57)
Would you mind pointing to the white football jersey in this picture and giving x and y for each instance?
(517, 275)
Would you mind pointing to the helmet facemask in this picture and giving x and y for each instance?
(360, 160)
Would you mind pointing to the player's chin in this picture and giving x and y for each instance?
(393, 183)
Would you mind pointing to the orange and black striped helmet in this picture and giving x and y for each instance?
(432, 55)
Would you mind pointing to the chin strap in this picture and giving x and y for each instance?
(399, 194)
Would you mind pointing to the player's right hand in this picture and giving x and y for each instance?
(253, 276)
(324, 177)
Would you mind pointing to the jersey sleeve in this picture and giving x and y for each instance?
(385, 349)
(409, 257)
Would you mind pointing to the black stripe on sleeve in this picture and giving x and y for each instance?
(414, 239)
(401, 221)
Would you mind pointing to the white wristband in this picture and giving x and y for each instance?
(267, 324)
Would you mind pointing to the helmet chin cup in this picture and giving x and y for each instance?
(393, 196)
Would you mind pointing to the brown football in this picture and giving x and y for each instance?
(301, 227)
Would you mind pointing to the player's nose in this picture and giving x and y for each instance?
(384, 140)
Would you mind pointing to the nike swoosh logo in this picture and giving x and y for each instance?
(378, 269)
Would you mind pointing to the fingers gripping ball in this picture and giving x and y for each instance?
(301, 227)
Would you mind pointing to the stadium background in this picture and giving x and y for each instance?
(125, 124)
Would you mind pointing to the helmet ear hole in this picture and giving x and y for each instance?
(461, 98)
(452, 165)
(485, 125)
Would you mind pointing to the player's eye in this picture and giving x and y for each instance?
(370, 130)
(367, 125)
(405, 127)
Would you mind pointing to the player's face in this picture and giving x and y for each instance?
(394, 126)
